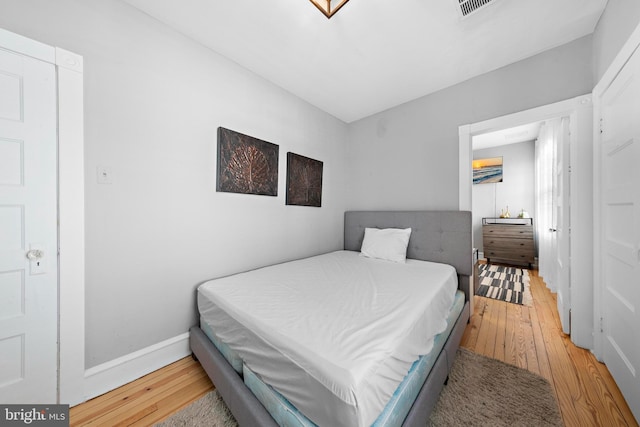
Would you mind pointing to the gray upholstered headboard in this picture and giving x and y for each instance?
(438, 236)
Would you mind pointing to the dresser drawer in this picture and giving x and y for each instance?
(509, 255)
(508, 244)
(507, 231)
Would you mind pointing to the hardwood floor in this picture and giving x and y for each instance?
(147, 400)
(528, 337)
(532, 338)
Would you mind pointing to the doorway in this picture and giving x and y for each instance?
(579, 111)
(534, 173)
(513, 193)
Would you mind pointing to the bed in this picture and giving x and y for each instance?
(269, 367)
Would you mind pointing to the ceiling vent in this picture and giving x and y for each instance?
(468, 7)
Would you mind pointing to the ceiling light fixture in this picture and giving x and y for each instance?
(329, 7)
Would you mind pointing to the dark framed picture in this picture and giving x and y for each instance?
(304, 181)
(246, 164)
(487, 171)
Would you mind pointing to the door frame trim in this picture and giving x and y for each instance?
(70, 215)
(579, 109)
(621, 59)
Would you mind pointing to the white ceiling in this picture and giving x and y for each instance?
(513, 135)
(374, 54)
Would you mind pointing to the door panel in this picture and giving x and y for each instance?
(28, 288)
(546, 200)
(11, 89)
(620, 181)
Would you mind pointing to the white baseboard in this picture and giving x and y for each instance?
(118, 372)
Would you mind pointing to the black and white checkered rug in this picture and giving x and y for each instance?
(510, 284)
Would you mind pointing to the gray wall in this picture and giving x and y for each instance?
(153, 102)
(516, 191)
(616, 24)
(407, 157)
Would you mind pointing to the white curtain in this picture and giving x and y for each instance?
(544, 186)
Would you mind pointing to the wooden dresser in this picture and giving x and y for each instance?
(508, 240)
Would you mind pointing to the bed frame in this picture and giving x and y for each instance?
(438, 236)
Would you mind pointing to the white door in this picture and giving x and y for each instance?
(28, 230)
(561, 217)
(546, 177)
(619, 153)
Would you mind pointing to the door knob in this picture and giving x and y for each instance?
(35, 254)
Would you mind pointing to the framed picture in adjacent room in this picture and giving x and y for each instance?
(487, 171)
(246, 164)
(304, 181)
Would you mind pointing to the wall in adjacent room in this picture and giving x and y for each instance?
(153, 102)
(407, 157)
(517, 190)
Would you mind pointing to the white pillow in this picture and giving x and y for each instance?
(388, 243)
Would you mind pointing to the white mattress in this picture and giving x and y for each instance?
(334, 334)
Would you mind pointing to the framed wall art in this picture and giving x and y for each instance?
(486, 171)
(304, 181)
(246, 164)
